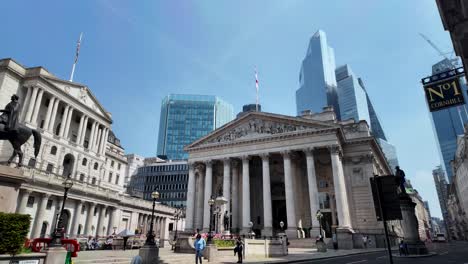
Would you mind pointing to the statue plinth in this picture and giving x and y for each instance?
(10, 183)
(410, 226)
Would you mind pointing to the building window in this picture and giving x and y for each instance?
(30, 201)
(323, 184)
(95, 211)
(49, 204)
(84, 162)
(96, 165)
(118, 166)
(32, 162)
(83, 209)
(42, 123)
(53, 150)
(110, 176)
(93, 181)
(81, 177)
(117, 179)
(79, 229)
(50, 167)
(112, 163)
(324, 201)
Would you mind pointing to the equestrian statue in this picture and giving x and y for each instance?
(15, 132)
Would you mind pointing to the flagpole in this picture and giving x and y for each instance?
(256, 87)
(76, 57)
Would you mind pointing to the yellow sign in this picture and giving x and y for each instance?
(444, 94)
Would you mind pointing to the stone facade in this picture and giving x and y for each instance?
(75, 130)
(272, 168)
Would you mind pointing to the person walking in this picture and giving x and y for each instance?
(239, 249)
(199, 246)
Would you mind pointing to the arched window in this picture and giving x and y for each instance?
(53, 150)
(82, 177)
(84, 162)
(96, 165)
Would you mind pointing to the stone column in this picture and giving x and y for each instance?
(102, 215)
(199, 207)
(53, 116)
(91, 135)
(63, 123)
(41, 208)
(37, 107)
(96, 137)
(80, 129)
(102, 145)
(89, 219)
(341, 196)
(26, 102)
(245, 195)
(83, 132)
(208, 188)
(76, 218)
(23, 201)
(313, 191)
(267, 211)
(226, 189)
(49, 113)
(112, 221)
(69, 117)
(289, 191)
(98, 140)
(32, 103)
(235, 196)
(190, 212)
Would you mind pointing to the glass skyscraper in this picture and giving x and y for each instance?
(448, 123)
(186, 118)
(317, 82)
(355, 104)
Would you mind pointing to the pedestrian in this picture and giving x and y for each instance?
(402, 248)
(239, 249)
(199, 246)
(364, 241)
(406, 248)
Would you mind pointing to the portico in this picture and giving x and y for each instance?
(274, 168)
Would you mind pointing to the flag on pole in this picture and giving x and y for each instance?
(78, 44)
(256, 86)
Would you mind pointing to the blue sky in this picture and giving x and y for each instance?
(134, 53)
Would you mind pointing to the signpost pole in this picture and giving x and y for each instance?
(382, 213)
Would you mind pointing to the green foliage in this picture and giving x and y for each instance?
(224, 243)
(13, 231)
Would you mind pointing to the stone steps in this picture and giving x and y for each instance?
(104, 260)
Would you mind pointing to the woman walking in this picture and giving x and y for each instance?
(199, 246)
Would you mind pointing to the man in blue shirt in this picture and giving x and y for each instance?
(199, 246)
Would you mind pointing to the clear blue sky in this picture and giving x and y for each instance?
(134, 53)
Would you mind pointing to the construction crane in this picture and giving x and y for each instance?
(452, 63)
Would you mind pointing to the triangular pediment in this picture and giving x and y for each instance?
(257, 125)
(79, 92)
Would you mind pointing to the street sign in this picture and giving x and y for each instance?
(443, 89)
(390, 201)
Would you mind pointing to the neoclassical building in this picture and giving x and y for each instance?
(272, 168)
(77, 141)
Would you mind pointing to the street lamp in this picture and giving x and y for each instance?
(319, 216)
(150, 235)
(59, 228)
(211, 202)
(178, 214)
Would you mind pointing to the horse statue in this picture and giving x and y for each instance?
(18, 138)
(15, 132)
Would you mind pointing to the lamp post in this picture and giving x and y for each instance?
(59, 228)
(319, 216)
(211, 202)
(178, 214)
(150, 235)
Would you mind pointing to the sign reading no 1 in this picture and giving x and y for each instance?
(443, 90)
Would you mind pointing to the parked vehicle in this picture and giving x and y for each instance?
(440, 238)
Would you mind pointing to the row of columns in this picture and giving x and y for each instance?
(342, 205)
(159, 222)
(75, 219)
(99, 132)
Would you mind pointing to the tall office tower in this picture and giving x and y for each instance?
(355, 104)
(448, 122)
(317, 80)
(186, 118)
(441, 188)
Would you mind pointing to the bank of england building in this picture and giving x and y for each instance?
(77, 141)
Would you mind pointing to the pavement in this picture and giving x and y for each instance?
(445, 253)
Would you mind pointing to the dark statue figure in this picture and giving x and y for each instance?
(226, 221)
(15, 132)
(401, 174)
